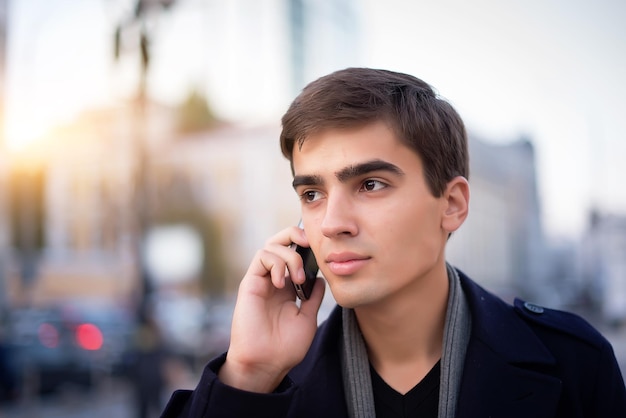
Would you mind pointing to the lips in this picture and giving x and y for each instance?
(346, 263)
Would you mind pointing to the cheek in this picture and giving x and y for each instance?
(416, 234)
(415, 246)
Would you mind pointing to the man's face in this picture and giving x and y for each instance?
(374, 226)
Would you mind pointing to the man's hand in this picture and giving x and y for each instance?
(270, 332)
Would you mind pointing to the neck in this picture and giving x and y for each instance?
(404, 334)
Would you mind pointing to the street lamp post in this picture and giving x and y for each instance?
(142, 12)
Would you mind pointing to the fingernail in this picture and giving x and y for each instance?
(301, 275)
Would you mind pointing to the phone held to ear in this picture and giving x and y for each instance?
(310, 271)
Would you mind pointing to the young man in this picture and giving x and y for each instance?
(380, 164)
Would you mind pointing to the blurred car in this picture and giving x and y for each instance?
(9, 382)
(117, 325)
(73, 342)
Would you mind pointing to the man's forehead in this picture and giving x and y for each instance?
(349, 145)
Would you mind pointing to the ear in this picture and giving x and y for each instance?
(456, 204)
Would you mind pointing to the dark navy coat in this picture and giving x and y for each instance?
(522, 361)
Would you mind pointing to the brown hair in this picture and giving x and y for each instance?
(357, 96)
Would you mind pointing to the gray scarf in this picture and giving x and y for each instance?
(355, 364)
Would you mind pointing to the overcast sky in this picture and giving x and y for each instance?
(553, 70)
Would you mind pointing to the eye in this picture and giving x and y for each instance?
(310, 196)
(371, 185)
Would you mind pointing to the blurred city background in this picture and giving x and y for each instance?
(140, 169)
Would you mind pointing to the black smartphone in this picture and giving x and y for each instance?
(310, 271)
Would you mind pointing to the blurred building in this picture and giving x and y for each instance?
(240, 177)
(233, 175)
(501, 244)
(603, 265)
(74, 190)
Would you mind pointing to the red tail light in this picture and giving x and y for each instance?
(89, 337)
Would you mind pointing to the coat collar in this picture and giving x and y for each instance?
(495, 324)
(508, 371)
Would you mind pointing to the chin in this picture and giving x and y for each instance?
(346, 298)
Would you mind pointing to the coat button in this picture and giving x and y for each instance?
(531, 307)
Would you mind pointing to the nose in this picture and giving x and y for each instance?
(339, 217)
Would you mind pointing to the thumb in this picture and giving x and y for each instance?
(311, 306)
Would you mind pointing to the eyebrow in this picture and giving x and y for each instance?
(349, 172)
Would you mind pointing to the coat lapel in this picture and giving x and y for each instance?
(507, 371)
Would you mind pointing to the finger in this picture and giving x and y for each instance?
(277, 275)
(278, 258)
(289, 235)
(268, 264)
(293, 262)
